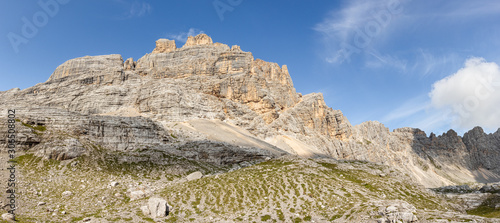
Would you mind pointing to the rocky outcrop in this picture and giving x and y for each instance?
(484, 149)
(151, 104)
(201, 39)
(97, 66)
(164, 46)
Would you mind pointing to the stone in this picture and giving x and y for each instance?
(391, 209)
(164, 46)
(41, 203)
(138, 194)
(158, 207)
(114, 184)
(98, 65)
(125, 105)
(236, 48)
(200, 39)
(194, 176)
(67, 193)
(62, 150)
(8, 217)
(129, 64)
(145, 210)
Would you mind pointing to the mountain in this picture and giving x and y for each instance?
(219, 107)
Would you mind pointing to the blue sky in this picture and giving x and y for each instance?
(426, 64)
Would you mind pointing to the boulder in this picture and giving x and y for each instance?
(158, 207)
(138, 194)
(8, 217)
(194, 176)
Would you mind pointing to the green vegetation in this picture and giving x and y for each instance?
(487, 208)
(265, 217)
(40, 128)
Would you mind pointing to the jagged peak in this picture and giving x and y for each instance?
(164, 46)
(200, 39)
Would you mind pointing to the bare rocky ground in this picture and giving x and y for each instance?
(110, 187)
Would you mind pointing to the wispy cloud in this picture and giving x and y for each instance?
(139, 9)
(182, 36)
(460, 9)
(408, 109)
(134, 9)
(379, 60)
(351, 29)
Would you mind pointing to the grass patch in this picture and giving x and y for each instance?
(265, 217)
(487, 208)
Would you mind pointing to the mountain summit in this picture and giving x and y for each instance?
(222, 94)
(217, 106)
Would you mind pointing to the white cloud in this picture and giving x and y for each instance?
(472, 93)
(407, 109)
(134, 9)
(385, 60)
(182, 36)
(139, 9)
(342, 29)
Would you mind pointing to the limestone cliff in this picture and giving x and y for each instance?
(249, 110)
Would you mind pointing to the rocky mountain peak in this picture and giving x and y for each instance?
(165, 46)
(200, 39)
(233, 93)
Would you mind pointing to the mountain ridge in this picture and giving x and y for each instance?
(211, 81)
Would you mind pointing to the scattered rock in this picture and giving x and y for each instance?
(67, 193)
(114, 184)
(138, 194)
(459, 189)
(145, 210)
(156, 208)
(194, 176)
(398, 212)
(41, 203)
(8, 217)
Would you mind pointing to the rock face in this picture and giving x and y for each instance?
(96, 65)
(201, 39)
(165, 46)
(156, 102)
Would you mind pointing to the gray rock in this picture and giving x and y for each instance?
(67, 193)
(194, 176)
(124, 106)
(158, 207)
(138, 194)
(145, 210)
(8, 217)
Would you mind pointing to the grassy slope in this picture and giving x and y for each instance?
(288, 189)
